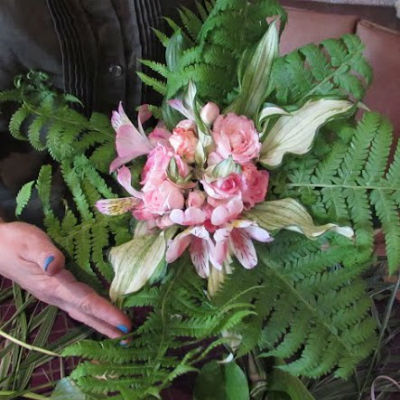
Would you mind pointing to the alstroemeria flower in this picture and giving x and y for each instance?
(227, 211)
(121, 206)
(130, 142)
(155, 170)
(236, 238)
(200, 246)
(160, 201)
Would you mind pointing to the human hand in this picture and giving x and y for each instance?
(29, 258)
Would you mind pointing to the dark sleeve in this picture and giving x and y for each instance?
(28, 41)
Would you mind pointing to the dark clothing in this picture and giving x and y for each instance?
(89, 48)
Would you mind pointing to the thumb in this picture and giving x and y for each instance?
(46, 256)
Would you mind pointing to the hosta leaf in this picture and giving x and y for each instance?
(253, 87)
(295, 133)
(136, 261)
(291, 215)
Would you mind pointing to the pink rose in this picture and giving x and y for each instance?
(236, 136)
(160, 201)
(254, 185)
(223, 188)
(184, 140)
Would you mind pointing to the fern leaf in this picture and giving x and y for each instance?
(23, 197)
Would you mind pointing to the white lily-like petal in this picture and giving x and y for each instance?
(291, 215)
(295, 133)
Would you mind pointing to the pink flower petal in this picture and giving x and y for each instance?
(125, 180)
(177, 246)
(243, 248)
(144, 113)
(259, 234)
(118, 162)
(117, 206)
(130, 143)
(199, 253)
(220, 216)
(178, 105)
(191, 216)
(119, 118)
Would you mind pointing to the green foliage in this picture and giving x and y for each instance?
(23, 197)
(221, 382)
(305, 303)
(350, 179)
(336, 67)
(83, 147)
(209, 47)
(304, 297)
(168, 344)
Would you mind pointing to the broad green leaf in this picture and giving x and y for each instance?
(295, 133)
(221, 382)
(136, 261)
(23, 197)
(67, 390)
(253, 86)
(283, 382)
(291, 215)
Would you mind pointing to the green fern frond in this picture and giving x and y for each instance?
(336, 67)
(23, 197)
(295, 303)
(353, 181)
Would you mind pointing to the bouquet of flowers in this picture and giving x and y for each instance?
(201, 182)
(245, 213)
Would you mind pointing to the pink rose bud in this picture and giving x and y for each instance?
(196, 199)
(209, 113)
(254, 185)
(184, 140)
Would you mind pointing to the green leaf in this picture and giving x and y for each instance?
(253, 87)
(295, 133)
(136, 261)
(221, 382)
(291, 215)
(23, 197)
(281, 381)
(66, 389)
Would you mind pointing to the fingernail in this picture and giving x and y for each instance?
(123, 343)
(48, 261)
(123, 328)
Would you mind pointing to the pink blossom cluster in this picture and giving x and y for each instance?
(207, 197)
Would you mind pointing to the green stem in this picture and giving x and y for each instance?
(354, 187)
(381, 335)
(28, 395)
(27, 346)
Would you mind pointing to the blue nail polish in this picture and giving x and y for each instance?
(123, 328)
(48, 261)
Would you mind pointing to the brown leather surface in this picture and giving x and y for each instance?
(383, 53)
(312, 27)
(385, 16)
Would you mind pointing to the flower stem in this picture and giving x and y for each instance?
(28, 346)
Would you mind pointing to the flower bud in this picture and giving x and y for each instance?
(209, 113)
